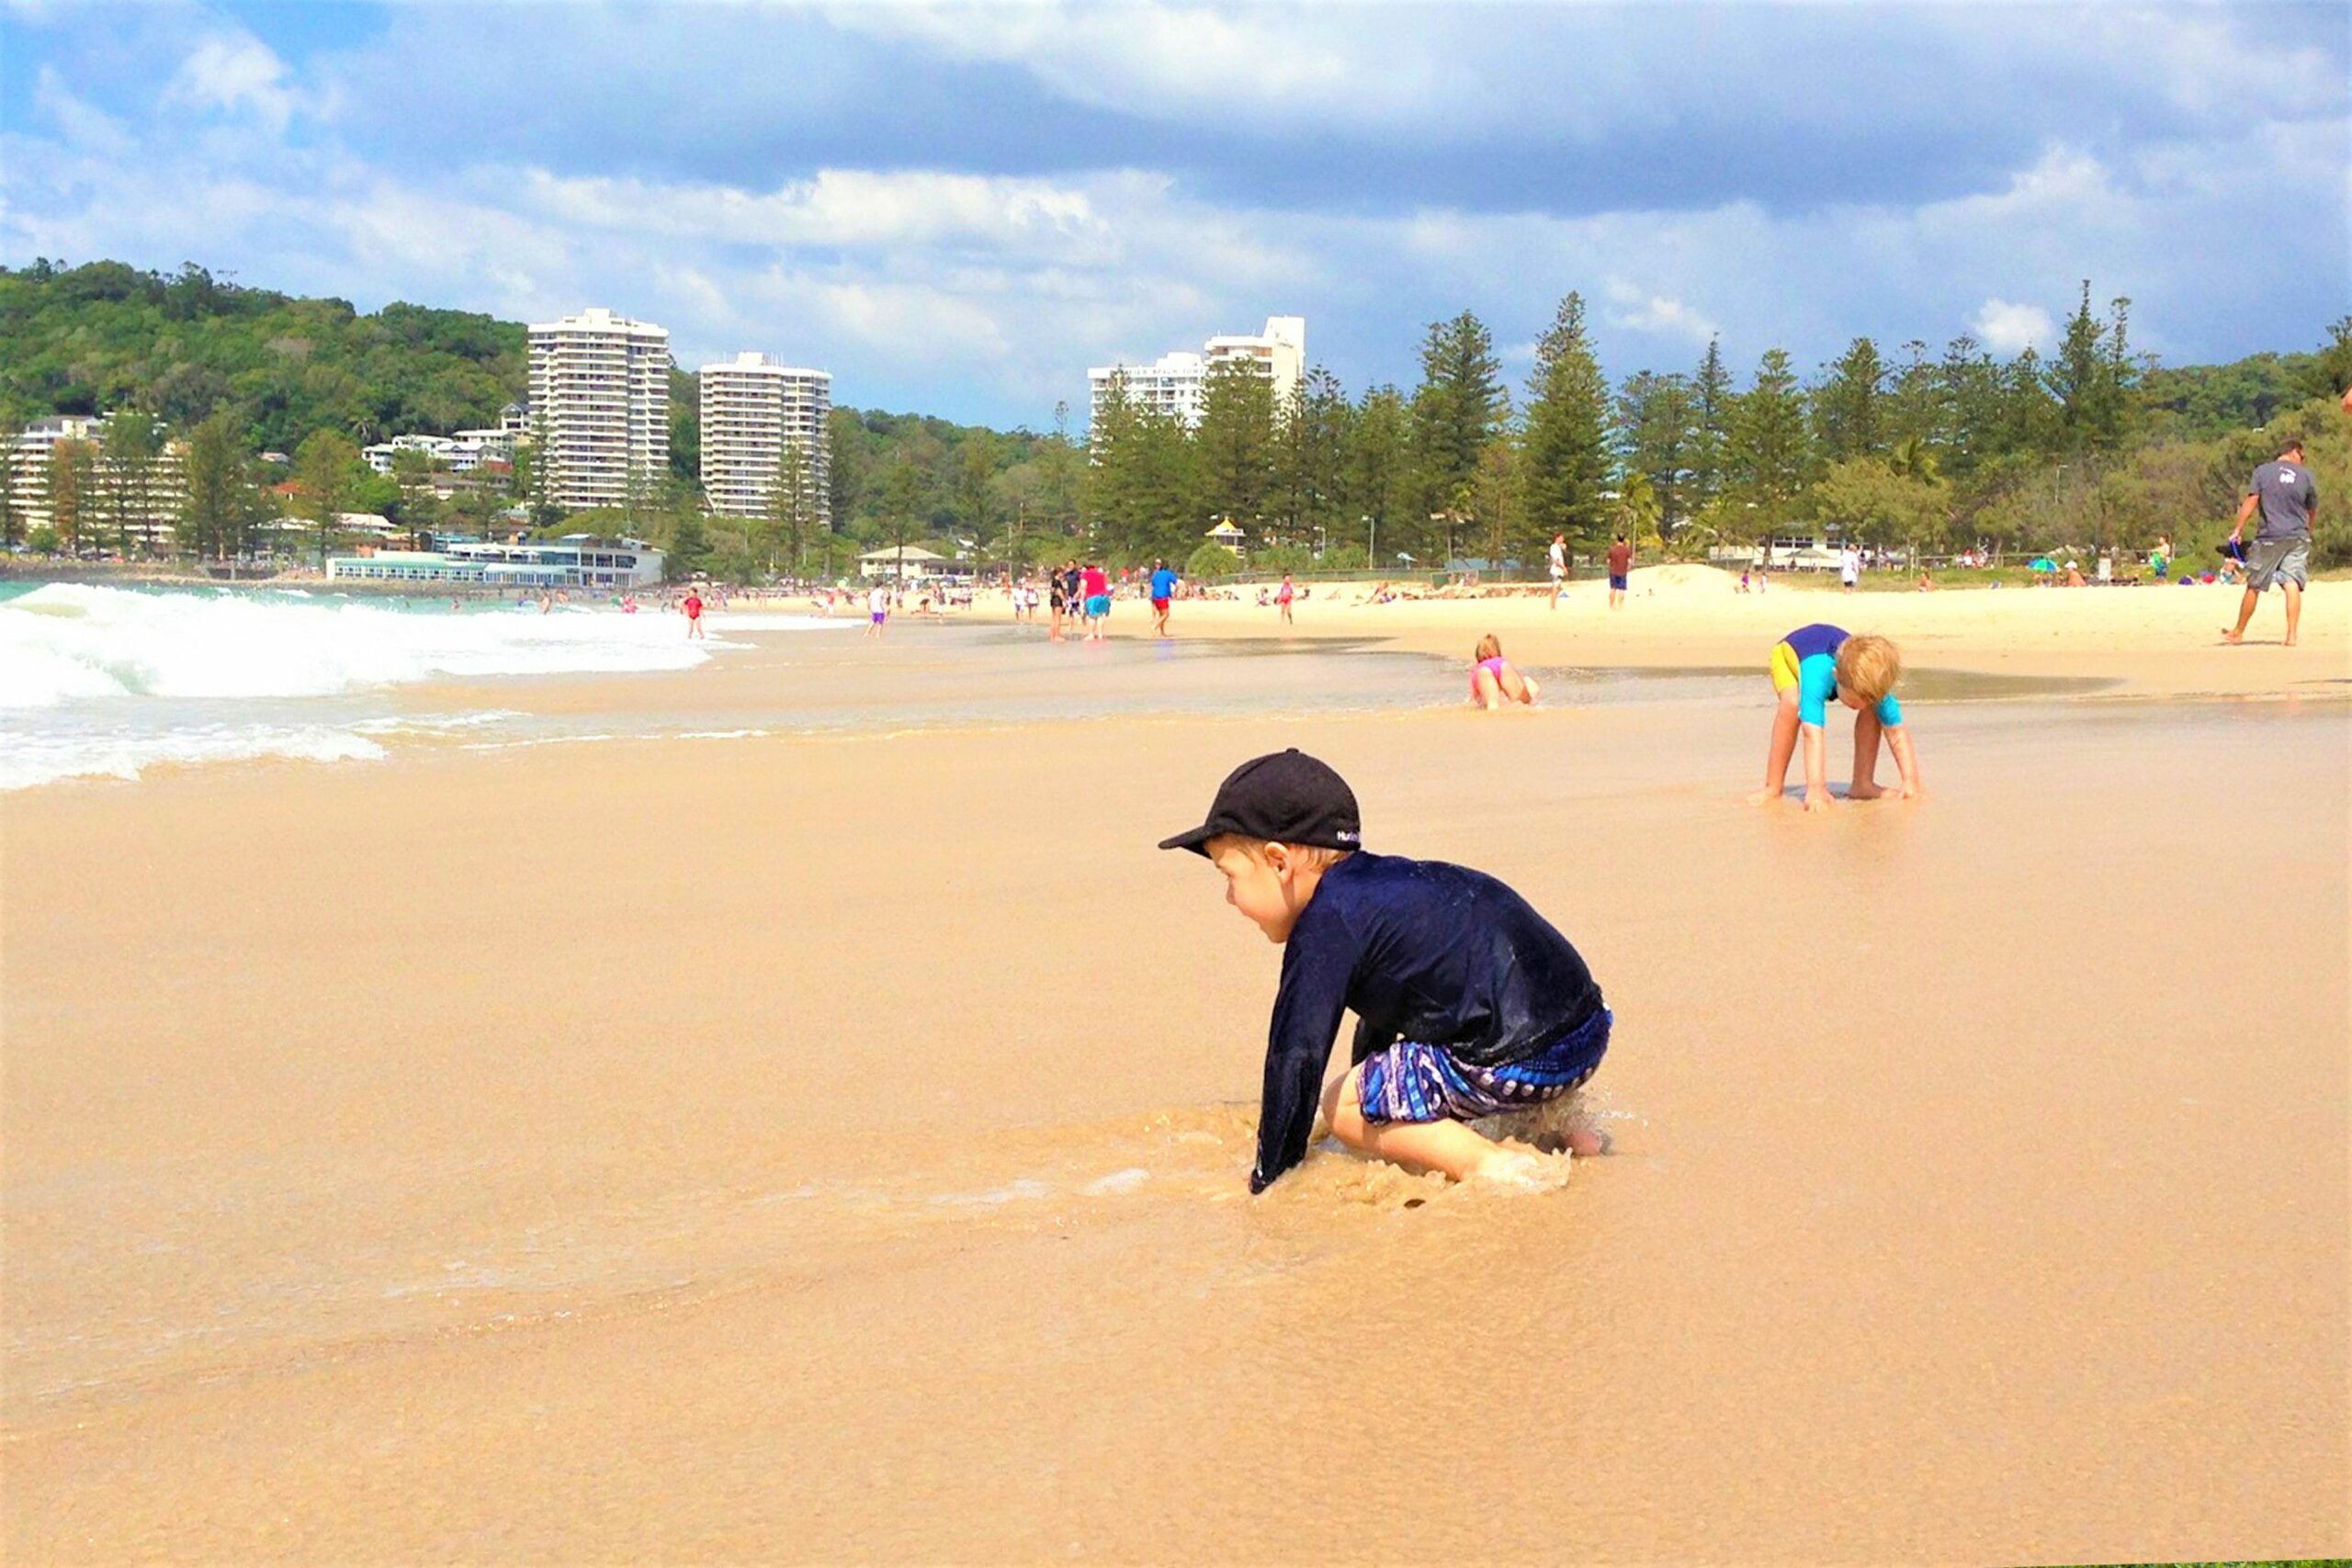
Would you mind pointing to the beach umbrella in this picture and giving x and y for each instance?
(2043, 563)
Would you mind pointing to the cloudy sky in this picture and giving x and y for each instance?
(958, 209)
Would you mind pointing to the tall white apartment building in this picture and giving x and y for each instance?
(151, 515)
(751, 407)
(1172, 383)
(600, 394)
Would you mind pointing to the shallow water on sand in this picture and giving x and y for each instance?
(761, 1149)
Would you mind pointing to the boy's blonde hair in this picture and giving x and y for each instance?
(1868, 666)
(1490, 646)
(1306, 857)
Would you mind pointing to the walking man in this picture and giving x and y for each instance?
(1559, 566)
(1163, 588)
(2282, 492)
(1621, 563)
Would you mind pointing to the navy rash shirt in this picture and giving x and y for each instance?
(1420, 950)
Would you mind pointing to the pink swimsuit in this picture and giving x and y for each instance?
(1494, 667)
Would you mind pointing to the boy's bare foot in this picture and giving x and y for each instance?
(1863, 792)
(1764, 797)
(1521, 1170)
(2230, 636)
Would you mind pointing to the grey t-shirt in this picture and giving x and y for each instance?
(2287, 496)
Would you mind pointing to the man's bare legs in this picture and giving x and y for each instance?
(2245, 614)
(1867, 731)
(1784, 746)
(2294, 609)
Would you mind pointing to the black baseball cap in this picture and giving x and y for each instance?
(1283, 797)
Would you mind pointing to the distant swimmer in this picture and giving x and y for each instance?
(693, 614)
(2282, 492)
(1468, 1003)
(1495, 681)
(877, 608)
(1813, 664)
(1163, 590)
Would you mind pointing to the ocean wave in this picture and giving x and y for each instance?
(32, 760)
(66, 644)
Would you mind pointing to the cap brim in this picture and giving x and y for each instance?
(1193, 838)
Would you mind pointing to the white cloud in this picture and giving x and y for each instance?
(1638, 310)
(230, 72)
(2007, 328)
(83, 125)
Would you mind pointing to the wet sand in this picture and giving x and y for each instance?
(2147, 642)
(832, 1148)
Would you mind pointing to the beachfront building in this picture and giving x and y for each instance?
(600, 398)
(140, 503)
(1171, 385)
(752, 409)
(576, 560)
(911, 563)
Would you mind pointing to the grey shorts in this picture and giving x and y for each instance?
(2278, 561)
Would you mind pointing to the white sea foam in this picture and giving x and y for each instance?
(107, 681)
(31, 759)
(63, 642)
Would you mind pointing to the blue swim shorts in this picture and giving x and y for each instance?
(1412, 1082)
(1098, 605)
(1617, 584)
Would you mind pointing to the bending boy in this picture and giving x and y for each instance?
(1468, 1003)
(1813, 664)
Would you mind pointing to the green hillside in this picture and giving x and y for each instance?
(92, 338)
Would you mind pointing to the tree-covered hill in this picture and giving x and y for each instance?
(92, 338)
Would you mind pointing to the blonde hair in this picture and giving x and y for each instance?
(1868, 666)
(1306, 857)
(1490, 646)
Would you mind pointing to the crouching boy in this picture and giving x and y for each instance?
(1468, 1003)
(1813, 664)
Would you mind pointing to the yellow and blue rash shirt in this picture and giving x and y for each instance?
(1807, 659)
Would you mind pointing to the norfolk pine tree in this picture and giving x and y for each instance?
(1565, 451)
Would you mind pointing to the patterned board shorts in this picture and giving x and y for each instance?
(1412, 1082)
(2276, 560)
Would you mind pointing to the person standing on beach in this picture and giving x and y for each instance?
(877, 608)
(1096, 584)
(1621, 563)
(694, 615)
(1283, 597)
(1849, 568)
(2281, 490)
(1163, 588)
(1559, 566)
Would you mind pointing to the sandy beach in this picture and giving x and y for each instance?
(827, 1144)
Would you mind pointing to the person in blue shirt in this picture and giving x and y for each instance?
(1468, 1003)
(1163, 588)
(1813, 664)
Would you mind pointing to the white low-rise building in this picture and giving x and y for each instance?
(577, 561)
